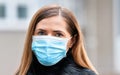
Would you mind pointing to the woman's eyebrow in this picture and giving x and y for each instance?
(57, 31)
(40, 30)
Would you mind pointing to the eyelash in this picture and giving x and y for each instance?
(59, 35)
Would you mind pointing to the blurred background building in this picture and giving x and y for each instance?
(99, 21)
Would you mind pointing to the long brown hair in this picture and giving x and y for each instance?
(78, 49)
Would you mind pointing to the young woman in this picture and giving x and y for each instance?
(54, 45)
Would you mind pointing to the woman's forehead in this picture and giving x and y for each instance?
(52, 22)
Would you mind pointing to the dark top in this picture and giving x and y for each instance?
(66, 66)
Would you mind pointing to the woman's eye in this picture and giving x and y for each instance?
(59, 35)
(41, 33)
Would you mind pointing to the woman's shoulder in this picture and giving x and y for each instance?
(86, 72)
(75, 70)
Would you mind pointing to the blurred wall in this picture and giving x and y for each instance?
(100, 32)
(11, 47)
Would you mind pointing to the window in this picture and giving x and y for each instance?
(22, 12)
(2, 11)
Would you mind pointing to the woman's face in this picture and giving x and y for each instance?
(53, 26)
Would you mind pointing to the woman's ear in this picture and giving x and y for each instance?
(72, 41)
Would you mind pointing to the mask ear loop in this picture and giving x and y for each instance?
(70, 38)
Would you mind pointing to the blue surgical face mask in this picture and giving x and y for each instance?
(49, 50)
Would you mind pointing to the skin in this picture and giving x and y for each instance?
(53, 26)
